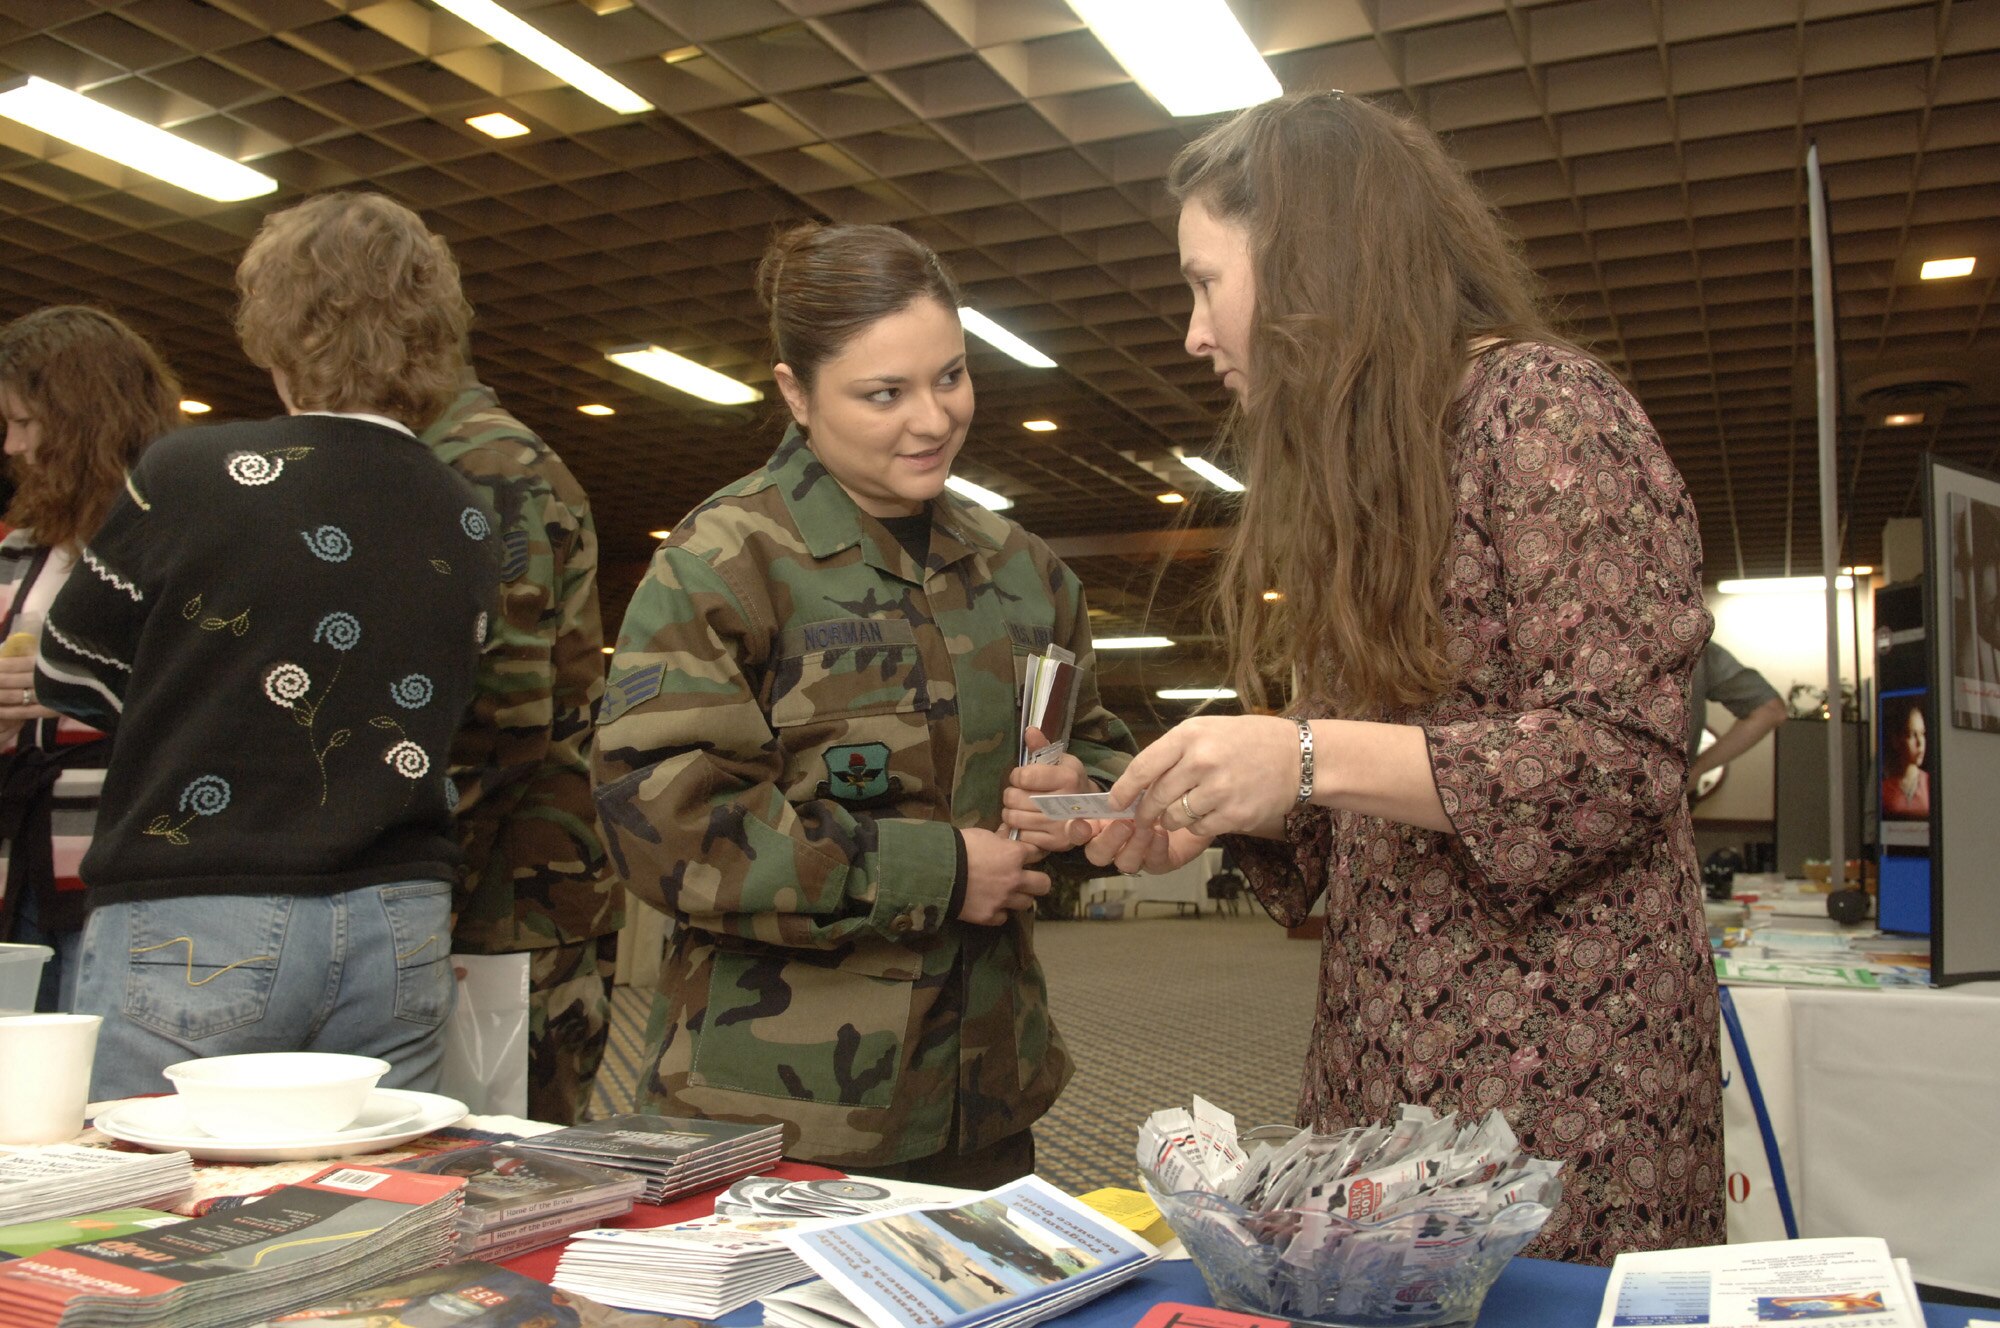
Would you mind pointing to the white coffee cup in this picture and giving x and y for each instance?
(44, 1104)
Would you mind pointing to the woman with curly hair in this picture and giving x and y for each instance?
(82, 394)
(281, 620)
(1489, 605)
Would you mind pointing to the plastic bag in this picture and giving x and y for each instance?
(486, 1038)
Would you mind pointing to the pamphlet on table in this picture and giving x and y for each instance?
(469, 1295)
(671, 1154)
(1853, 1281)
(57, 1180)
(517, 1200)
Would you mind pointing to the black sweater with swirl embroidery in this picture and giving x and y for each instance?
(279, 624)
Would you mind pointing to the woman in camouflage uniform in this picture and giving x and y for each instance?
(811, 719)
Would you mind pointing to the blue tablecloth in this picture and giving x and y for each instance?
(1532, 1293)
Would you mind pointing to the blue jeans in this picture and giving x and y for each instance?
(365, 971)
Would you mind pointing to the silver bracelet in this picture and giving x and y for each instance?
(1305, 761)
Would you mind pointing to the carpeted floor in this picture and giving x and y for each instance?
(1154, 1011)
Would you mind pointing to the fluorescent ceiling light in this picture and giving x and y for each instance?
(74, 118)
(610, 650)
(1039, 426)
(1214, 474)
(597, 408)
(659, 534)
(684, 375)
(1191, 55)
(1196, 694)
(1131, 642)
(1273, 596)
(1903, 420)
(1939, 268)
(1784, 585)
(1171, 498)
(190, 406)
(550, 54)
(497, 124)
(984, 497)
(680, 55)
(998, 337)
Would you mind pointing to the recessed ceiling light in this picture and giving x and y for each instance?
(74, 118)
(659, 534)
(596, 408)
(1211, 472)
(1901, 420)
(1273, 596)
(1196, 693)
(497, 124)
(1171, 497)
(684, 375)
(998, 337)
(1783, 585)
(1131, 642)
(552, 55)
(984, 497)
(1039, 426)
(189, 406)
(1191, 55)
(680, 55)
(1939, 268)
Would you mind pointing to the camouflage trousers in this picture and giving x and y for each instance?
(569, 1022)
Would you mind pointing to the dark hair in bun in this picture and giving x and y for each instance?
(825, 284)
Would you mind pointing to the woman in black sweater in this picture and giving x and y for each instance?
(279, 623)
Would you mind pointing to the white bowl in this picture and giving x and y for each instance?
(277, 1095)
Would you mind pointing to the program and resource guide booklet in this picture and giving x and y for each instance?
(1852, 1282)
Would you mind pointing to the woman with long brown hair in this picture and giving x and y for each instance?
(1489, 581)
(83, 395)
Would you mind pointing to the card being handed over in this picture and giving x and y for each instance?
(1075, 806)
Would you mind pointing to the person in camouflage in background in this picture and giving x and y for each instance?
(812, 715)
(535, 873)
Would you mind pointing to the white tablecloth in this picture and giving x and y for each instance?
(1885, 1106)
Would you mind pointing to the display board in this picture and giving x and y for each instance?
(1962, 621)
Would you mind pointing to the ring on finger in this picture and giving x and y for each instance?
(1189, 812)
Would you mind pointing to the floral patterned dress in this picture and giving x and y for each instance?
(1550, 958)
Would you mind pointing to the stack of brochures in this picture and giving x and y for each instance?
(1852, 1281)
(63, 1179)
(672, 1155)
(517, 1200)
(716, 1264)
(464, 1295)
(27, 1238)
(1013, 1256)
(348, 1227)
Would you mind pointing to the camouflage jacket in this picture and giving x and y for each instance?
(535, 873)
(798, 717)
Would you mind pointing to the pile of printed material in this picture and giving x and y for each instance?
(345, 1228)
(1004, 1259)
(712, 1265)
(1375, 1220)
(517, 1200)
(468, 1295)
(63, 1179)
(673, 1156)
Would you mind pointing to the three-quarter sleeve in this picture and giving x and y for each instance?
(1598, 560)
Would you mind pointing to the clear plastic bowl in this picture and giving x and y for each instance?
(1426, 1268)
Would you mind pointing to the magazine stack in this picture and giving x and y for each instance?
(671, 1155)
(346, 1228)
(464, 1295)
(517, 1200)
(1011, 1257)
(713, 1265)
(63, 1179)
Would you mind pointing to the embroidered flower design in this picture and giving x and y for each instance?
(328, 544)
(205, 795)
(413, 692)
(473, 522)
(287, 684)
(408, 759)
(253, 468)
(479, 629)
(342, 631)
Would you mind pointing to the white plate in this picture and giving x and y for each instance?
(393, 1116)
